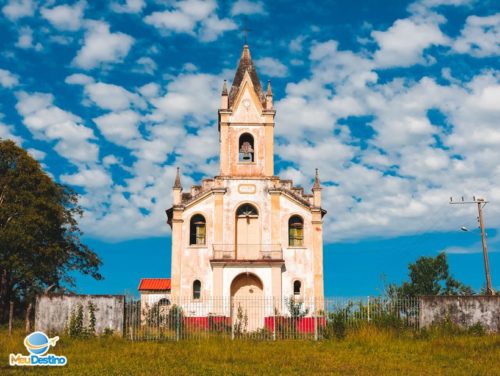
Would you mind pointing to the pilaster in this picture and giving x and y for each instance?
(176, 270)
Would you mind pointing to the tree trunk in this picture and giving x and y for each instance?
(11, 316)
(28, 318)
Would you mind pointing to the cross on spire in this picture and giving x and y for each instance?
(245, 29)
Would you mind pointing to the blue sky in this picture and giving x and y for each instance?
(397, 103)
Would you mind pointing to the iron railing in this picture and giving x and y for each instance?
(247, 252)
(264, 318)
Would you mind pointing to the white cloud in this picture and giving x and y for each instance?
(183, 17)
(6, 132)
(146, 65)
(37, 154)
(119, 127)
(394, 179)
(150, 90)
(110, 160)
(480, 37)
(437, 3)
(404, 43)
(193, 17)
(102, 46)
(48, 122)
(248, 7)
(79, 79)
(25, 40)
(135, 211)
(112, 97)
(192, 97)
(88, 178)
(272, 67)
(65, 17)
(129, 6)
(213, 27)
(8, 79)
(139, 203)
(16, 9)
(401, 180)
(296, 44)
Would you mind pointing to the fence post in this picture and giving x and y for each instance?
(369, 308)
(233, 321)
(315, 324)
(177, 329)
(274, 319)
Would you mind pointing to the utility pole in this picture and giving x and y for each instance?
(481, 203)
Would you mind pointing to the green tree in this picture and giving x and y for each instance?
(40, 245)
(429, 276)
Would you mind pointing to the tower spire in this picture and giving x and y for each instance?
(224, 88)
(269, 90)
(269, 96)
(246, 65)
(317, 184)
(224, 98)
(177, 183)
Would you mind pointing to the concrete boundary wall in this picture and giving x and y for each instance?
(464, 311)
(52, 312)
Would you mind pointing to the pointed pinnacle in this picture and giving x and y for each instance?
(316, 181)
(246, 52)
(177, 183)
(269, 90)
(224, 88)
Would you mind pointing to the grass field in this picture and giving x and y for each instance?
(368, 351)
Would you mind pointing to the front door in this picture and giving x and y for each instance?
(247, 299)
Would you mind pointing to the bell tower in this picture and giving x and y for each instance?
(246, 124)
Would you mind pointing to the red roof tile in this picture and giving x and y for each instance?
(158, 284)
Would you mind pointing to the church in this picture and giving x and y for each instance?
(245, 233)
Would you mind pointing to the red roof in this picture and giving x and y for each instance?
(158, 284)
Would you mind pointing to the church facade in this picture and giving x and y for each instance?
(246, 233)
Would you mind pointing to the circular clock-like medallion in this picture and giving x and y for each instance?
(246, 103)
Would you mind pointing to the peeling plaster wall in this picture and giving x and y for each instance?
(462, 310)
(195, 259)
(52, 312)
(298, 260)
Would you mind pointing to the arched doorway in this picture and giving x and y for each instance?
(247, 299)
(247, 233)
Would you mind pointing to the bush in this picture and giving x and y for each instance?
(477, 329)
(76, 326)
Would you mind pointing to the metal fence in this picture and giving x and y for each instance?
(263, 318)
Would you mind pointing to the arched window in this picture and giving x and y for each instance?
(297, 287)
(197, 230)
(246, 148)
(196, 289)
(295, 231)
(247, 210)
(163, 302)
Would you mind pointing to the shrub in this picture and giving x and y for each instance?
(477, 329)
(75, 326)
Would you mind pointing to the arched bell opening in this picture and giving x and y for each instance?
(246, 148)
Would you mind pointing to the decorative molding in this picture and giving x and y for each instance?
(247, 189)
